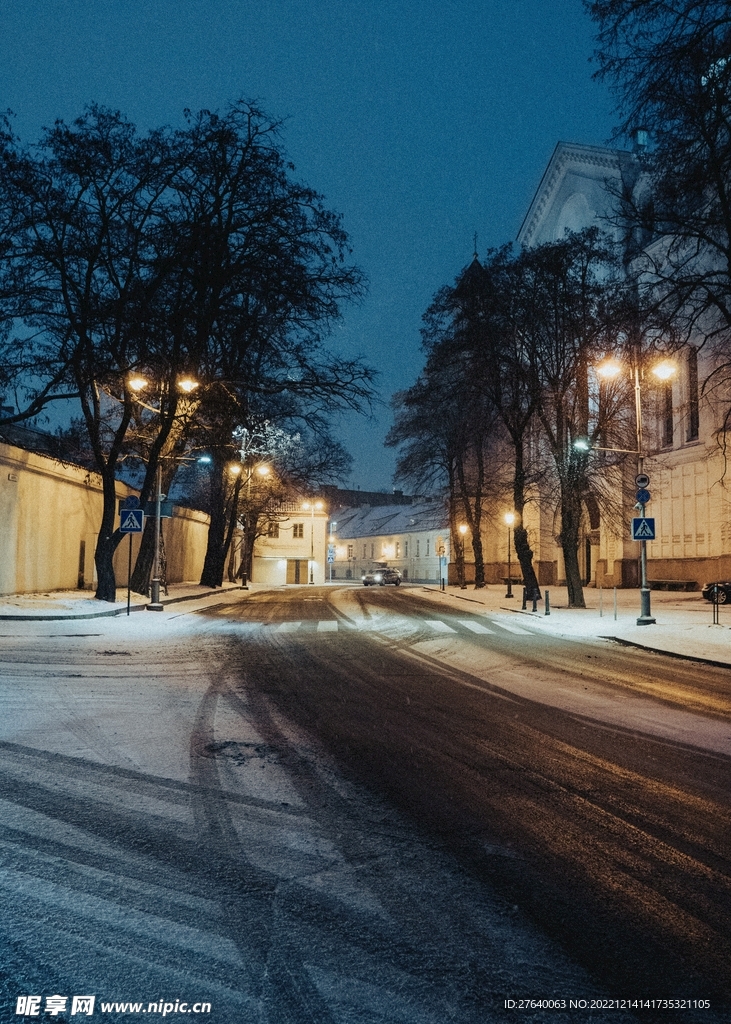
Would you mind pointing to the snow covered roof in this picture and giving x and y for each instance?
(374, 521)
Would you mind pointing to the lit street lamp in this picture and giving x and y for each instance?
(312, 506)
(663, 371)
(137, 383)
(509, 520)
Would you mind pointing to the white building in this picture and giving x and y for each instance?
(690, 502)
(412, 538)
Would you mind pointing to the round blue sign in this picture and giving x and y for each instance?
(643, 496)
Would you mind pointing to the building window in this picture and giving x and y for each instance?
(273, 530)
(406, 549)
(298, 530)
(667, 414)
(427, 549)
(373, 549)
(351, 550)
(693, 408)
(417, 549)
(398, 549)
(364, 551)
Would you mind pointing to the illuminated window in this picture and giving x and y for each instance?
(398, 549)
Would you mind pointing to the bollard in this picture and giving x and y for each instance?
(601, 605)
(548, 605)
(525, 599)
(535, 601)
(615, 604)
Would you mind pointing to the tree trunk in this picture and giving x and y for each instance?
(106, 545)
(520, 534)
(142, 572)
(570, 527)
(214, 564)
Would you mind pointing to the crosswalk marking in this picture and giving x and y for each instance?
(475, 627)
(512, 629)
(440, 627)
(327, 626)
(288, 627)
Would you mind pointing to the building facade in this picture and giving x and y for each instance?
(683, 459)
(293, 546)
(412, 538)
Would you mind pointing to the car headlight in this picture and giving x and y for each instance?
(378, 577)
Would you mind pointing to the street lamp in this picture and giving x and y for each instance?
(509, 520)
(663, 371)
(312, 506)
(138, 383)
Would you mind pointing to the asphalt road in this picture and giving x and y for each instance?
(326, 804)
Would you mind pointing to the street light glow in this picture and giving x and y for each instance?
(137, 383)
(582, 444)
(188, 385)
(609, 369)
(463, 529)
(665, 370)
(509, 518)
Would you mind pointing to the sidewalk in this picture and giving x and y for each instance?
(81, 604)
(684, 624)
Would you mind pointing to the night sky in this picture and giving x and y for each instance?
(421, 122)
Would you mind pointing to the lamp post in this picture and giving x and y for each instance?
(509, 520)
(664, 371)
(312, 506)
(138, 383)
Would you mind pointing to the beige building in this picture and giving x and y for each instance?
(690, 502)
(293, 546)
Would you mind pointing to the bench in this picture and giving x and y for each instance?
(686, 585)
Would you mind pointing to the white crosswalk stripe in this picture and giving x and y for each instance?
(288, 627)
(475, 627)
(440, 627)
(512, 629)
(327, 626)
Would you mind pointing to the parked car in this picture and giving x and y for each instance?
(724, 592)
(380, 576)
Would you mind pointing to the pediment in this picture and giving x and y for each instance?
(573, 193)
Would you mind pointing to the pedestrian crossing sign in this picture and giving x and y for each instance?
(131, 520)
(643, 528)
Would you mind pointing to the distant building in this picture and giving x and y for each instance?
(413, 538)
(292, 548)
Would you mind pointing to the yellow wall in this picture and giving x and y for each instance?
(47, 509)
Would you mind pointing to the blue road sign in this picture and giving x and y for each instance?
(643, 496)
(131, 520)
(643, 529)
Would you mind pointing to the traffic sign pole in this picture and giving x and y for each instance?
(129, 573)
